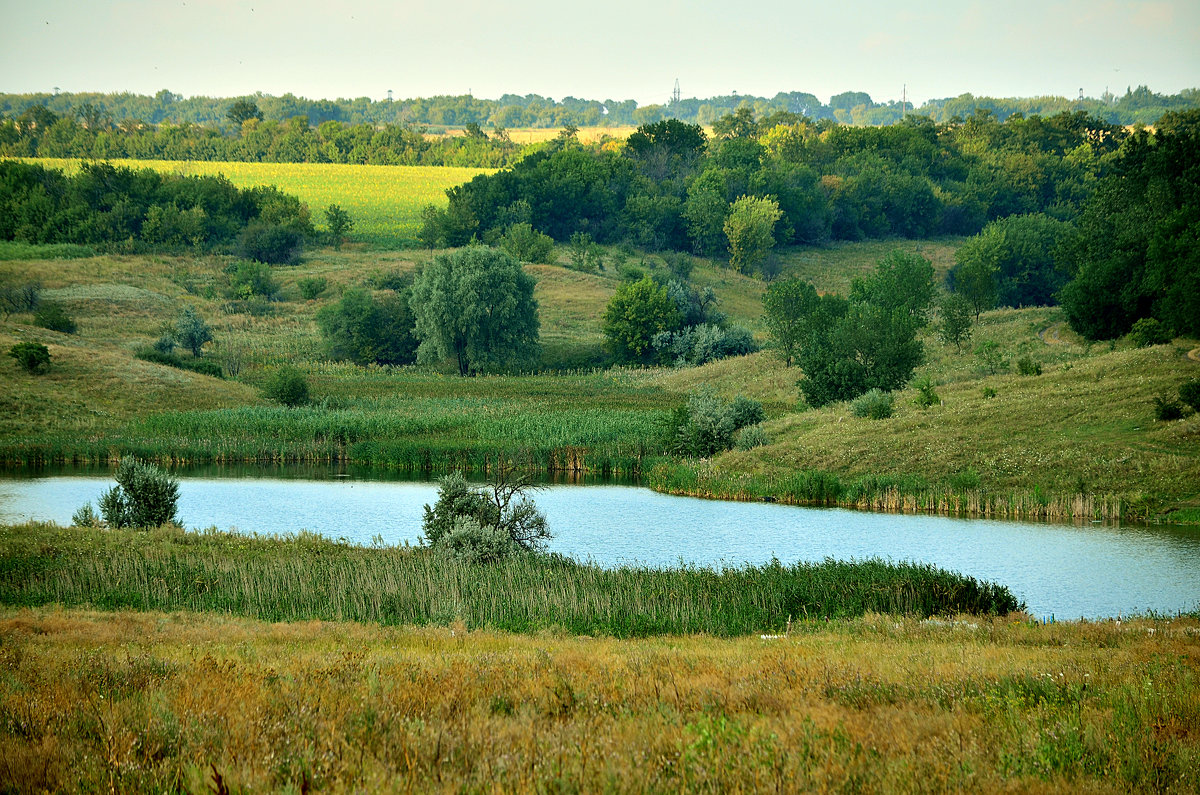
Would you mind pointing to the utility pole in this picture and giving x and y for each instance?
(904, 101)
(675, 93)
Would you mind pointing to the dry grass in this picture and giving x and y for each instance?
(150, 702)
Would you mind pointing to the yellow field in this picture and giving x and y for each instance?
(153, 702)
(384, 201)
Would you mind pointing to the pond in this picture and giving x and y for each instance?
(1089, 571)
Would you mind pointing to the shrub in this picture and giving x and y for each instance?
(19, 297)
(145, 496)
(85, 517)
(1027, 365)
(1150, 331)
(191, 331)
(287, 386)
(875, 404)
(926, 395)
(52, 316)
(526, 244)
(706, 425)
(273, 244)
(1167, 408)
(484, 524)
(33, 357)
(312, 286)
(1189, 393)
(991, 357)
(249, 278)
(697, 345)
(750, 437)
(165, 344)
(988, 393)
(202, 366)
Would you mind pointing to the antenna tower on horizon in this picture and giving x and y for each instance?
(675, 93)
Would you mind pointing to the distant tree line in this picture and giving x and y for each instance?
(138, 210)
(672, 187)
(531, 110)
(39, 132)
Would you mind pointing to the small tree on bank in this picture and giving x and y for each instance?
(750, 228)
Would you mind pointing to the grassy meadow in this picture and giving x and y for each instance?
(384, 201)
(152, 701)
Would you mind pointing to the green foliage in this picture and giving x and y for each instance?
(927, 395)
(1139, 233)
(635, 314)
(988, 393)
(1167, 408)
(85, 516)
(51, 315)
(312, 286)
(1149, 331)
(369, 329)
(191, 331)
(288, 386)
(585, 253)
(954, 321)
(697, 345)
(249, 278)
(339, 222)
(1027, 365)
(1189, 393)
(484, 525)
(902, 283)
(790, 307)
(271, 243)
(875, 404)
(32, 357)
(1024, 256)
(707, 424)
(145, 496)
(750, 229)
(991, 356)
(526, 244)
(476, 307)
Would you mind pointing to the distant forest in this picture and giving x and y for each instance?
(1137, 105)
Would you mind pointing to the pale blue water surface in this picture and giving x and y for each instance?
(1089, 571)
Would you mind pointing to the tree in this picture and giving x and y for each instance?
(750, 228)
(1023, 253)
(954, 325)
(636, 312)
(789, 306)
(369, 329)
(145, 496)
(475, 306)
(482, 525)
(901, 282)
(191, 331)
(287, 386)
(974, 278)
(340, 223)
(243, 110)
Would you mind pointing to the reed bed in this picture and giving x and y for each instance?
(155, 702)
(305, 577)
(902, 494)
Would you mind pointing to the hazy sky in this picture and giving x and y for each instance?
(618, 49)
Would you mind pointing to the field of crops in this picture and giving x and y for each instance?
(384, 201)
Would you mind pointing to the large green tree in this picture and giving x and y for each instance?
(1021, 254)
(368, 329)
(637, 312)
(1137, 254)
(750, 227)
(789, 309)
(475, 306)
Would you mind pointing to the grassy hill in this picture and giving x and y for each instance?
(1078, 440)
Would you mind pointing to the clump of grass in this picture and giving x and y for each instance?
(306, 577)
(875, 405)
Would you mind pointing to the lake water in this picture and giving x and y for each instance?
(1067, 571)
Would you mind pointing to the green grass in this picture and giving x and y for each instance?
(384, 201)
(305, 578)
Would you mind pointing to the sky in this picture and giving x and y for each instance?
(615, 49)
